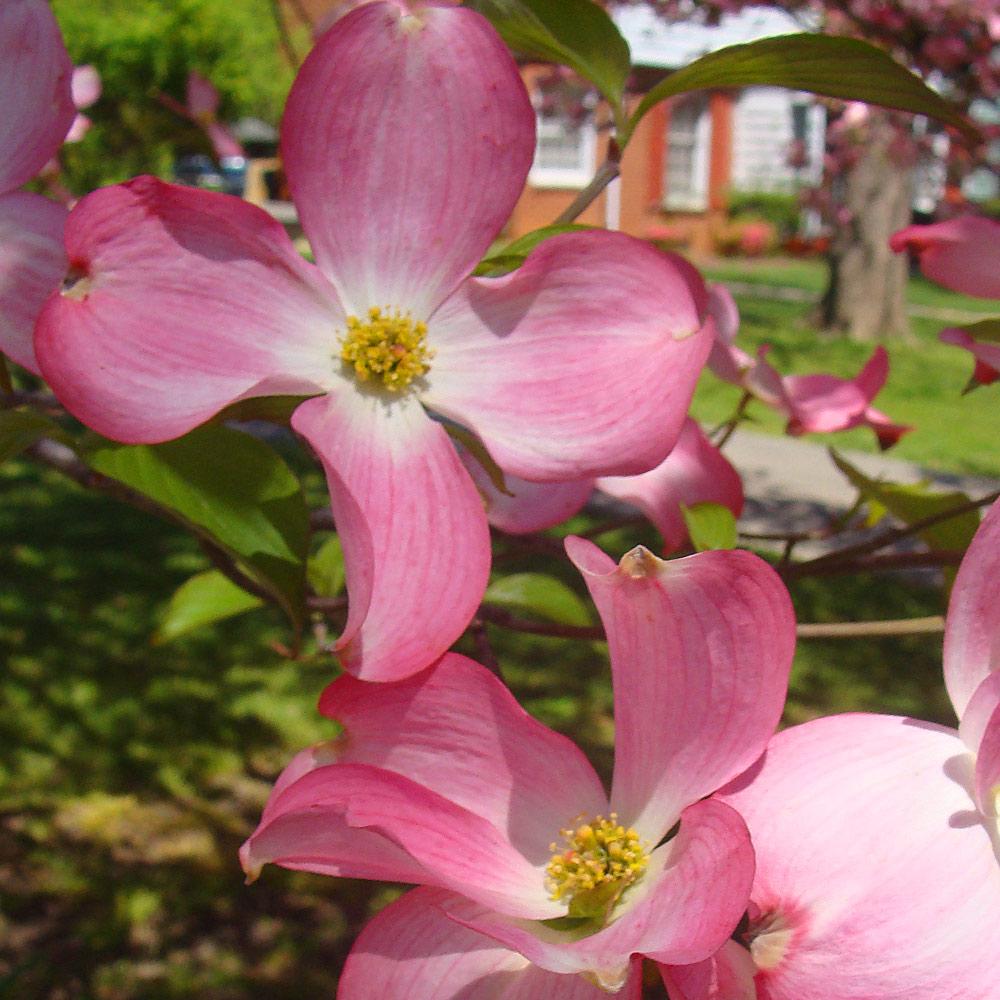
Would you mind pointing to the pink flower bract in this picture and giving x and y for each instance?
(406, 139)
(694, 472)
(812, 404)
(962, 254)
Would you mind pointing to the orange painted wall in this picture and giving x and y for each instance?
(641, 182)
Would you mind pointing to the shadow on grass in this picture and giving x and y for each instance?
(130, 774)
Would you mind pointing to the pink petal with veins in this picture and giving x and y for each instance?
(962, 254)
(972, 629)
(456, 729)
(398, 214)
(684, 908)
(876, 876)
(700, 653)
(32, 263)
(412, 951)
(694, 472)
(823, 403)
(308, 824)
(582, 362)
(416, 542)
(179, 302)
(35, 76)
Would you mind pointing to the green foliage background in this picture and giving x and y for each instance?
(142, 47)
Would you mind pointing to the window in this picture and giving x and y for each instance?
(565, 151)
(685, 181)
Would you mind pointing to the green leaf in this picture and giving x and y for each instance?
(20, 429)
(541, 595)
(986, 331)
(230, 488)
(911, 503)
(710, 525)
(503, 260)
(478, 451)
(205, 599)
(576, 33)
(823, 64)
(276, 409)
(325, 571)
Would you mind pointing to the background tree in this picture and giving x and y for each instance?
(145, 47)
(949, 42)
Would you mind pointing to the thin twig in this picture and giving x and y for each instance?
(816, 535)
(222, 561)
(9, 398)
(898, 534)
(321, 520)
(484, 649)
(315, 603)
(613, 525)
(729, 427)
(284, 38)
(871, 563)
(809, 630)
(786, 553)
(303, 15)
(606, 173)
(502, 617)
(852, 630)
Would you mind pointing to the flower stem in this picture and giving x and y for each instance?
(606, 173)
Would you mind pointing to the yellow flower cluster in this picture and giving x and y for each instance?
(600, 861)
(389, 347)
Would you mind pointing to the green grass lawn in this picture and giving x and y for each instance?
(129, 773)
(810, 275)
(926, 378)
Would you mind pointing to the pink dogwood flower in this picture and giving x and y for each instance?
(694, 472)
(201, 107)
(406, 140)
(812, 404)
(38, 109)
(532, 876)
(962, 254)
(878, 841)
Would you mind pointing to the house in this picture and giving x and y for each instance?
(689, 154)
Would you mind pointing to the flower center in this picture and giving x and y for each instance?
(387, 347)
(600, 861)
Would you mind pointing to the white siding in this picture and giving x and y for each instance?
(688, 141)
(766, 121)
(656, 42)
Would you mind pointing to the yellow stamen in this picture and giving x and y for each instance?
(389, 347)
(601, 860)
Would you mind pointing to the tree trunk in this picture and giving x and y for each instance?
(866, 291)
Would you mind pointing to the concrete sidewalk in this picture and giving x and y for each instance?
(792, 485)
